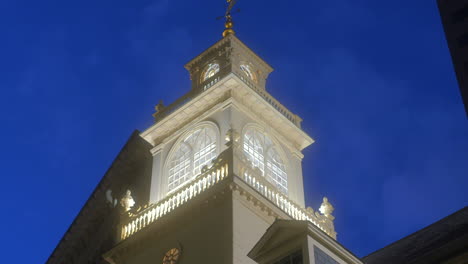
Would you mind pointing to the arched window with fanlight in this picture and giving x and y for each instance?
(210, 70)
(264, 155)
(197, 149)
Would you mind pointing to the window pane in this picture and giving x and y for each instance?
(179, 167)
(204, 145)
(248, 71)
(253, 148)
(270, 163)
(195, 151)
(322, 257)
(210, 71)
(276, 170)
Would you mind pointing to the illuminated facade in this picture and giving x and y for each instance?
(216, 179)
(226, 166)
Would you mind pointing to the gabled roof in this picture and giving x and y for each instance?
(282, 231)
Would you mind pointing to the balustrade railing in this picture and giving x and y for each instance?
(296, 120)
(165, 111)
(211, 176)
(149, 215)
(259, 183)
(210, 83)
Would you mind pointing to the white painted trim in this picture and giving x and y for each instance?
(327, 242)
(154, 151)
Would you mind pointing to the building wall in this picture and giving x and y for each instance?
(248, 227)
(203, 232)
(220, 226)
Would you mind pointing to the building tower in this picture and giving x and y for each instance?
(216, 179)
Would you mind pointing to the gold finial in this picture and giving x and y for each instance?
(229, 24)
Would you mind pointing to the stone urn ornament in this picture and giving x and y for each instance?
(127, 201)
(326, 208)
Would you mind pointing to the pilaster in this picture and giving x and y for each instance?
(156, 178)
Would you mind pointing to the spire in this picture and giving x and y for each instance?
(228, 25)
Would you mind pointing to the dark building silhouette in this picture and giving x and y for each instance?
(445, 241)
(454, 14)
(93, 231)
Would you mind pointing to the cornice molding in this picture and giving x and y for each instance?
(156, 150)
(195, 60)
(204, 104)
(235, 40)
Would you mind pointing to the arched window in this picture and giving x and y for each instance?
(248, 71)
(263, 154)
(196, 150)
(210, 71)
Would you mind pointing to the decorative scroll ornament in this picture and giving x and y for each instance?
(159, 110)
(127, 201)
(159, 107)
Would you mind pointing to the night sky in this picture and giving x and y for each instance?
(373, 81)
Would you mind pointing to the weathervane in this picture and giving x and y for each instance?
(229, 24)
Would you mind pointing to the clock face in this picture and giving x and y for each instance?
(171, 256)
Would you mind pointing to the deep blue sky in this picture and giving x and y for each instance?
(372, 80)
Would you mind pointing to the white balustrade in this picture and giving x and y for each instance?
(272, 101)
(191, 190)
(209, 178)
(259, 183)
